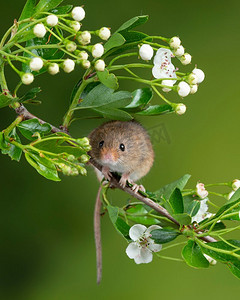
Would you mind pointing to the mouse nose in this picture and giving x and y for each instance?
(108, 156)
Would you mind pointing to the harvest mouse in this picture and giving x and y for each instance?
(122, 147)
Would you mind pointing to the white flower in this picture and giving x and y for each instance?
(180, 109)
(193, 88)
(179, 51)
(71, 46)
(229, 196)
(236, 184)
(142, 246)
(146, 52)
(84, 38)
(78, 13)
(83, 55)
(53, 69)
(39, 30)
(104, 33)
(36, 64)
(68, 65)
(211, 260)
(86, 64)
(27, 78)
(99, 65)
(183, 89)
(192, 78)
(175, 42)
(200, 75)
(75, 25)
(167, 83)
(202, 213)
(201, 191)
(186, 59)
(163, 67)
(52, 20)
(97, 50)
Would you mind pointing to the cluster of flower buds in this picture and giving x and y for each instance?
(79, 49)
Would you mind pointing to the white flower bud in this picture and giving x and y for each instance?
(84, 38)
(53, 69)
(236, 184)
(183, 89)
(211, 260)
(200, 75)
(39, 30)
(179, 51)
(193, 89)
(83, 55)
(68, 65)
(78, 13)
(27, 78)
(52, 20)
(86, 64)
(71, 46)
(75, 25)
(180, 109)
(97, 50)
(192, 79)
(104, 33)
(186, 59)
(168, 83)
(36, 64)
(201, 191)
(99, 65)
(146, 52)
(175, 42)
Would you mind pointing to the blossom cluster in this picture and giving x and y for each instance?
(79, 50)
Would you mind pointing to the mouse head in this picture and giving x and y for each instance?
(114, 144)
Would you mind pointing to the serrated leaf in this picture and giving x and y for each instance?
(138, 214)
(46, 5)
(116, 40)
(30, 127)
(121, 226)
(114, 114)
(141, 97)
(132, 23)
(109, 80)
(164, 235)
(193, 255)
(191, 206)
(27, 11)
(13, 151)
(43, 166)
(155, 110)
(134, 36)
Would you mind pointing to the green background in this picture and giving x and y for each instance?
(47, 247)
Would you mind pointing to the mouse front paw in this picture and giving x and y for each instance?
(106, 173)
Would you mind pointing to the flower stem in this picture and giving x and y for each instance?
(121, 56)
(10, 128)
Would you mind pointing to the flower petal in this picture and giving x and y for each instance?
(133, 250)
(152, 227)
(144, 257)
(154, 247)
(136, 231)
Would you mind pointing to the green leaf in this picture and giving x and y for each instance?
(132, 23)
(11, 150)
(109, 80)
(43, 166)
(5, 100)
(31, 94)
(138, 214)
(30, 127)
(155, 110)
(167, 190)
(191, 206)
(164, 235)
(114, 113)
(3, 144)
(183, 219)
(176, 201)
(134, 36)
(46, 5)
(102, 95)
(116, 40)
(118, 223)
(141, 97)
(28, 11)
(193, 255)
(61, 10)
(232, 262)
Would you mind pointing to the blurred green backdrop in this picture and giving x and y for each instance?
(47, 248)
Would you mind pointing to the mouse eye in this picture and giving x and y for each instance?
(122, 147)
(101, 144)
